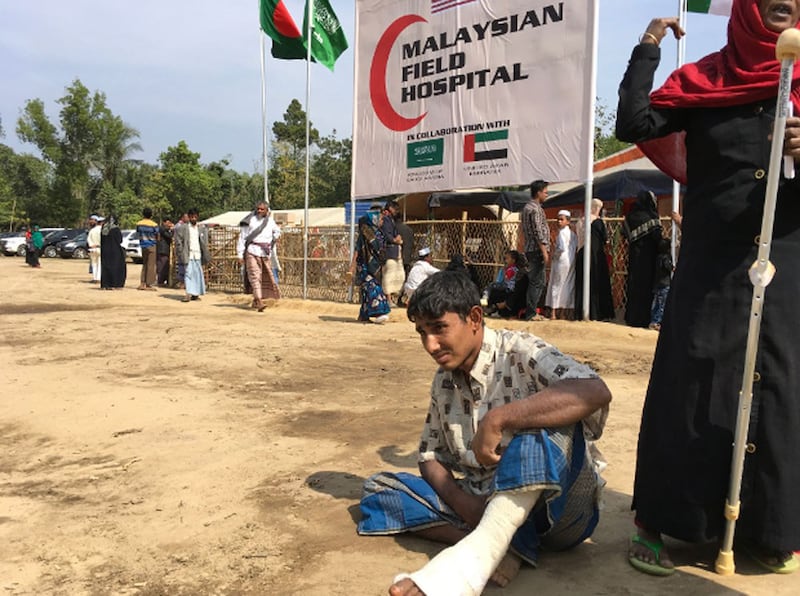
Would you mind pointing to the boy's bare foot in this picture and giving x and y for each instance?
(405, 587)
(507, 570)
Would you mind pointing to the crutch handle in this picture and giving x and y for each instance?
(788, 45)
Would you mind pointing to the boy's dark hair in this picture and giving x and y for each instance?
(192, 211)
(147, 212)
(537, 186)
(443, 292)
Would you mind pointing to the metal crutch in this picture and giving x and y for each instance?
(761, 273)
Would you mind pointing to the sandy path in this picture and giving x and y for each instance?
(156, 447)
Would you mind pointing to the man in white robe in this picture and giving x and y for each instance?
(560, 296)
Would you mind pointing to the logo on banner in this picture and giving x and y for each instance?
(442, 5)
(485, 146)
(425, 154)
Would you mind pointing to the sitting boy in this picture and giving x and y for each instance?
(504, 454)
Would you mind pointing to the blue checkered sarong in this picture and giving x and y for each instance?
(554, 461)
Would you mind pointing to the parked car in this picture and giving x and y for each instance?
(15, 245)
(76, 248)
(53, 238)
(133, 250)
(11, 244)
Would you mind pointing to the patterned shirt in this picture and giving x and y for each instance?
(510, 366)
(147, 230)
(534, 226)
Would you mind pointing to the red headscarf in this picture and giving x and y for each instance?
(744, 71)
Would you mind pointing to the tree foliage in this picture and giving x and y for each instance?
(85, 150)
(330, 159)
(86, 165)
(605, 141)
(292, 130)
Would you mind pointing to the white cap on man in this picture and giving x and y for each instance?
(565, 213)
(424, 252)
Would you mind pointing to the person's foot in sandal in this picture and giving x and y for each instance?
(773, 560)
(648, 555)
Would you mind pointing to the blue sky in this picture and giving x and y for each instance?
(189, 69)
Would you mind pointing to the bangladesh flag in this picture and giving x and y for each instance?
(287, 41)
(720, 7)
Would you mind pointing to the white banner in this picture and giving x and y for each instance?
(453, 94)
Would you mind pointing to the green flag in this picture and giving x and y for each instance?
(278, 24)
(720, 7)
(328, 40)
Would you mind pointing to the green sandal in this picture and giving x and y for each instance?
(649, 568)
(760, 556)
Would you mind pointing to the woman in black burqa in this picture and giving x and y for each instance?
(643, 232)
(113, 269)
(601, 303)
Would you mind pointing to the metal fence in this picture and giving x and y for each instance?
(482, 242)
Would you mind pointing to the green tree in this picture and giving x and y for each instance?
(251, 192)
(24, 186)
(292, 130)
(286, 179)
(182, 183)
(605, 141)
(330, 172)
(116, 143)
(85, 151)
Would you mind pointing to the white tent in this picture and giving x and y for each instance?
(322, 216)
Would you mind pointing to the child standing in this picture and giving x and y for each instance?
(662, 278)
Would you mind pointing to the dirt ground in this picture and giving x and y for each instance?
(154, 447)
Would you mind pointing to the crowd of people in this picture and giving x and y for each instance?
(188, 241)
(520, 290)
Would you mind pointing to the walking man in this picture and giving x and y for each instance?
(258, 234)
(194, 254)
(535, 242)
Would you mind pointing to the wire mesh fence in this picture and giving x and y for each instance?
(483, 243)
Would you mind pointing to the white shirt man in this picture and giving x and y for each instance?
(93, 243)
(258, 232)
(421, 271)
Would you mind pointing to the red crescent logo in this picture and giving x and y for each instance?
(377, 77)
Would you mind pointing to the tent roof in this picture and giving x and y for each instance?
(507, 199)
(321, 216)
(620, 183)
(479, 203)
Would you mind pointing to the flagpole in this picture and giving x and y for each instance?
(676, 186)
(353, 155)
(309, 41)
(589, 174)
(264, 115)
